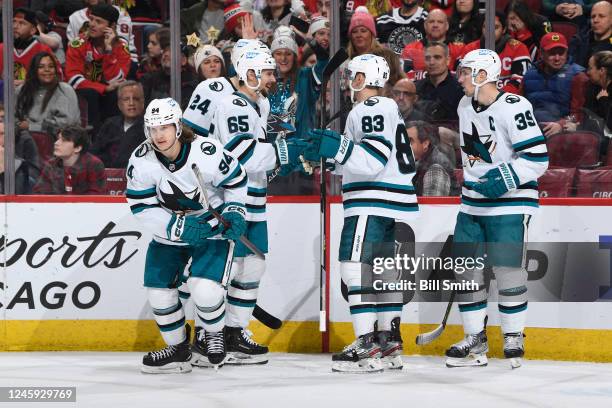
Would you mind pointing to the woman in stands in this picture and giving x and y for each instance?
(465, 22)
(526, 26)
(209, 63)
(158, 41)
(44, 103)
(598, 91)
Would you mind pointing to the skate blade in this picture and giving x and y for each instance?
(367, 366)
(172, 368)
(236, 358)
(393, 362)
(516, 362)
(472, 360)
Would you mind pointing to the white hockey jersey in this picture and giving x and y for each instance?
(203, 101)
(377, 176)
(157, 187)
(505, 131)
(124, 28)
(240, 125)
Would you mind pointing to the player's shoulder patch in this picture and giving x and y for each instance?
(216, 86)
(512, 99)
(142, 150)
(208, 148)
(239, 102)
(371, 101)
(77, 42)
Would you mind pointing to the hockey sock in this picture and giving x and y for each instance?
(511, 284)
(209, 298)
(242, 290)
(362, 305)
(168, 313)
(473, 304)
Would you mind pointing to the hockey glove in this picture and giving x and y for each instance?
(288, 151)
(190, 229)
(234, 215)
(330, 144)
(496, 182)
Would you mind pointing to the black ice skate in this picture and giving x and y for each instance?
(514, 348)
(391, 346)
(215, 348)
(361, 356)
(169, 360)
(242, 349)
(199, 357)
(471, 351)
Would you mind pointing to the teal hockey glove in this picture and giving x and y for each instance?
(288, 151)
(190, 229)
(496, 182)
(234, 215)
(330, 144)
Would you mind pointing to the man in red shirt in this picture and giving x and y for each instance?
(514, 55)
(436, 27)
(25, 45)
(97, 62)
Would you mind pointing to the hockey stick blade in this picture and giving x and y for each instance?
(428, 337)
(266, 318)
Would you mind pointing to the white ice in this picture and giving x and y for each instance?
(301, 380)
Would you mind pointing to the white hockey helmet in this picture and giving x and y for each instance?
(375, 69)
(258, 62)
(482, 60)
(244, 45)
(163, 112)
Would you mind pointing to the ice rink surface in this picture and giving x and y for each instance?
(305, 380)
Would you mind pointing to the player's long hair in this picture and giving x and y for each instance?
(31, 85)
(187, 135)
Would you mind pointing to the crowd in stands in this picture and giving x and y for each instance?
(84, 71)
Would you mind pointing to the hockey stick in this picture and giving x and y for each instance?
(260, 314)
(428, 337)
(334, 63)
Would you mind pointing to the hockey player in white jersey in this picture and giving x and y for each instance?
(166, 197)
(377, 167)
(504, 153)
(208, 93)
(239, 124)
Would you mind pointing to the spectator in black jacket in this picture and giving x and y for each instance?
(598, 38)
(465, 22)
(121, 134)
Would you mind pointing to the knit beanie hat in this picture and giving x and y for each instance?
(362, 17)
(284, 42)
(317, 24)
(205, 51)
(231, 14)
(105, 11)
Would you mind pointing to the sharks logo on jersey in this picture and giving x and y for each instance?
(216, 86)
(208, 148)
(239, 102)
(478, 147)
(178, 201)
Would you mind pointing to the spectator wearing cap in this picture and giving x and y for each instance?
(120, 135)
(285, 52)
(555, 87)
(402, 25)
(362, 33)
(25, 44)
(73, 170)
(97, 62)
(514, 55)
(79, 21)
(598, 38)
(208, 62)
(204, 18)
(436, 28)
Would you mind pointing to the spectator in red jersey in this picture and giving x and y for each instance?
(436, 28)
(555, 87)
(513, 54)
(25, 44)
(526, 26)
(97, 62)
(73, 170)
(465, 22)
